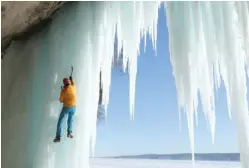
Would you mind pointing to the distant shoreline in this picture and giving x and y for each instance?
(234, 157)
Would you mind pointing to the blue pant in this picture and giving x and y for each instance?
(65, 111)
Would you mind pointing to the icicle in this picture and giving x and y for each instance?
(180, 120)
(219, 32)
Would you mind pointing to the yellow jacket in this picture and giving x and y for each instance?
(68, 95)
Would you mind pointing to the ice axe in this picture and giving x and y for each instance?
(71, 70)
(70, 76)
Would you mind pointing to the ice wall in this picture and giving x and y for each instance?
(82, 35)
(209, 43)
(205, 39)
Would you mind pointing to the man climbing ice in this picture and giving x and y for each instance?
(68, 98)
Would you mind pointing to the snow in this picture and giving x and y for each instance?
(204, 37)
(150, 163)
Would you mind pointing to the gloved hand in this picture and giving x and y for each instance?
(70, 77)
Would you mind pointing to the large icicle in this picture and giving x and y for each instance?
(209, 41)
(134, 21)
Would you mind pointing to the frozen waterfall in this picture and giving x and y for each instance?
(208, 43)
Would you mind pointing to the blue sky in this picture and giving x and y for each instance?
(156, 125)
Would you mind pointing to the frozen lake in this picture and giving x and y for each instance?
(150, 163)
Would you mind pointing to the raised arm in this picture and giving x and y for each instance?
(71, 76)
(71, 80)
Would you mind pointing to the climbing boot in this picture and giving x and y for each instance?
(57, 139)
(69, 134)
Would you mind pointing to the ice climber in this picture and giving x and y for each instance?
(68, 98)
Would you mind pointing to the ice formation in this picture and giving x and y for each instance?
(209, 43)
(205, 38)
